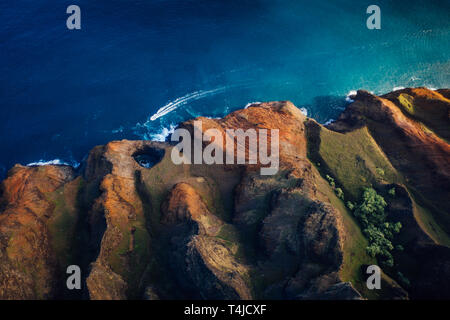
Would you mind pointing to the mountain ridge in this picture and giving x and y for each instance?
(226, 232)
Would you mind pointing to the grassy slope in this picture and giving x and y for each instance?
(430, 109)
(354, 160)
(428, 224)
(354, 244)
(63, 222)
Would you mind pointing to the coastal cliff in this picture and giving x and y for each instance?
(142, 227)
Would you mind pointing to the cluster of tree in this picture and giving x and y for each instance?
(371, 215)
(380, 233)
(338, 191)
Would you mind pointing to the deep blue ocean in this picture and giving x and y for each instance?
(63, 91)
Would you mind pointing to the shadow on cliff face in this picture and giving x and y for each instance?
(90, 228)
(428, 279)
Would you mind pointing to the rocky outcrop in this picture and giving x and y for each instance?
(118, 265)
(204, 263)
(28, 255)
(294, 237)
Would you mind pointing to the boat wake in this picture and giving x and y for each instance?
(56, 162)
(196, 95)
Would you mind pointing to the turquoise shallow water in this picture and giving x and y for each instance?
(139, 67)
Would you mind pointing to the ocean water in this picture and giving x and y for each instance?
(137, 67)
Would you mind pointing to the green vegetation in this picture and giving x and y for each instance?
(380, 171)
(339, 193)
(391, 192)
(430, 109)
(380, 233)
(406, 101)
(350, 205)
(330, 181)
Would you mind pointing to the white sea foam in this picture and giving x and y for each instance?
(163, 134)
(251, 103)
(350, 94)
(304, 111)
(398, 88)
(328, 122)
(57, 162)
